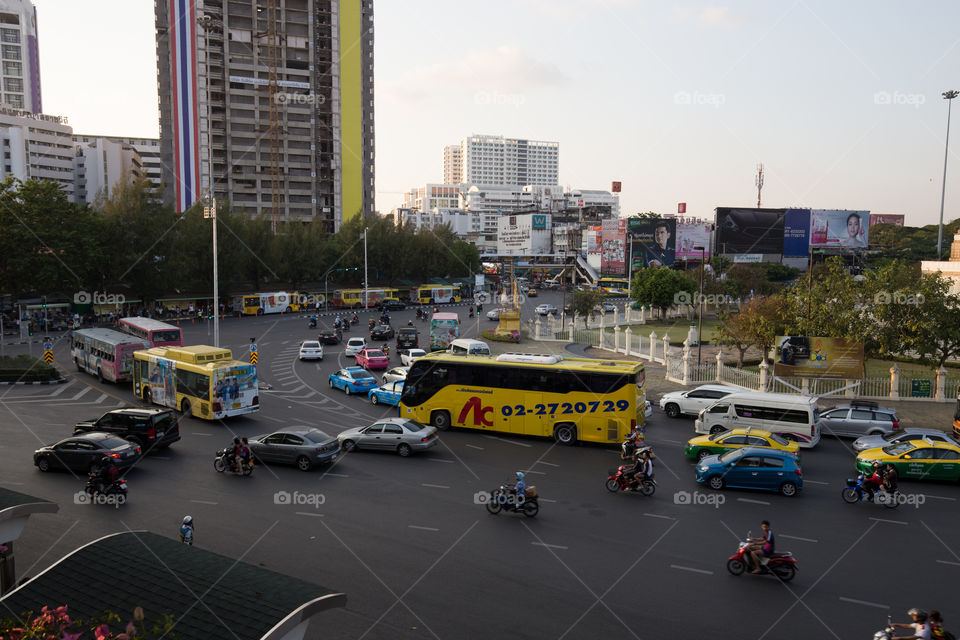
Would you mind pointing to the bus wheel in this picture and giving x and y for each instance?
(185, 408)
(146, 395)
(260, 312)
(288, 309)
(99, 375)
(76, 361)
(440, 419)
(565, 434)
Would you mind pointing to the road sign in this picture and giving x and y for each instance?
(253, 354)
(48, 352)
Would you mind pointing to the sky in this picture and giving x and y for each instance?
(680, 101)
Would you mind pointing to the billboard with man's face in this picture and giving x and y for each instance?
(749, 230)
(652, 241)
(839, 228)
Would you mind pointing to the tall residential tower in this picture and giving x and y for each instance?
(499, 160)
(311, 147)
(19, 56)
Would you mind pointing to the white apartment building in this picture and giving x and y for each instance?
(584, 198)
(463, 223)
(148, 148)
(19, 56)
(500, 199)
(37, 147)
(485, 159)
(101, 164)
(432, 196)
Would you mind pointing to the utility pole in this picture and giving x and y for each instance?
(366, 283)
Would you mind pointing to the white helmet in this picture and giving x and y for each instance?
(187, 520)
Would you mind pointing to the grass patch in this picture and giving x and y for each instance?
(490, 335)
(24, 368)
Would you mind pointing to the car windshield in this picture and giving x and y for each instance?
(897, 449)
(376, 353)
(315, 435)
(311, 345)
(731, 455)
(412, 426)
(417, 352)
(357, 375)
(113, 442)
(718, 434)
(779, 439)
(893, 435)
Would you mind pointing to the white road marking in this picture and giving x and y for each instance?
(782, 535)
(307, 513)
(519, 444)
(545, 500)
(275, 419)
(927, 495)
(160, 457)
(539, 473)
(682, 568)
(440, 460)
(549, 464)
(890, 521)
(815, 482)
(337, 475)
(548, 546)
(413, 526)
(435, 486)
(864, 603)
(751, 501)
(203, 502)
(197, 433)
(472, 446)
(657, 515)
(956, 564)
(671, 441)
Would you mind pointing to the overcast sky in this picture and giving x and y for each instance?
(678, 100)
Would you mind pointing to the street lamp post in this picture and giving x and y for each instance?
(700, 305)
(948, 96)
(207, 23)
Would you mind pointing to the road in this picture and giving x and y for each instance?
(417, 557)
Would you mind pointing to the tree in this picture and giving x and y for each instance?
(932, 326)
(662, 287)
(584, 302)
(732, 332)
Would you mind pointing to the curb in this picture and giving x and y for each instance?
(59, 381)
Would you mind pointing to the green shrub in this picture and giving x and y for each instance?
(24, 368)
(490, 335)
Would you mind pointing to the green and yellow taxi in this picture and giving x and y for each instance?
(920, 459)
(700, 447)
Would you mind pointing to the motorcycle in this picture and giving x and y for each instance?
(117, 489)
(503, 499)
(855, 491)
(631, 448)
(224, 462)
(386, 349)
(887, 632)
(312, 324)
(346, 326)
(355, 319)
(782, 565)
(619, 481)
(372, 324)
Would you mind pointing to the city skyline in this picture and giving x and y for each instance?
(679, 103)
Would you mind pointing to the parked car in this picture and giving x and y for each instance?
(752, 468)
(904, 435)
(692, 402)
(81, 452)
(397, 373)
(352, 380)
(390, 434)
(392, 304)
(916, 459)
(371, 358)
(547, 310)
(493, 314)
(328, 336)
(311, 350)
(699, 447)
(147, 428)
(408, 338)
(408, 356)
(605, 307)
(355, 346)
(531, 293)
(381, 333)
(859, 419)
(387, 393)
(305, 447)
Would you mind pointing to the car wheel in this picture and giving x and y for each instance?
(565, 434)
(373, 399)
(43, 464)
(440, 420)
(736, 567)
(715, 482)
(330, 382)
(703, 453)
(349, 445)
(404, 450)
(788, 489)
(303, 463)
(716, 429)
(672, 410)
(346, 389)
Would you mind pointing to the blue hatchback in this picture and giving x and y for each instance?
(752, 468)
(387, 393)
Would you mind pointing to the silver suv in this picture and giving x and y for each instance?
(859, 418)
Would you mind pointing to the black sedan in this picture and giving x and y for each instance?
(382, 333)
(328, 336)
(81, 452)
(392, 304)
(304, 447)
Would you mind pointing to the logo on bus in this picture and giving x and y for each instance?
(480, 412)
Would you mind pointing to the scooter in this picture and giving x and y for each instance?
(313, 323)
(782, 565)
(502, 499)
(886, 633)
(224, 462)
(620, 482)
(855, 492)
(114, 493)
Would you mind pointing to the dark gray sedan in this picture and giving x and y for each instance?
(81, 452)
(305, 447)
(390, 434)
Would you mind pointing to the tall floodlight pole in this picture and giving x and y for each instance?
(366, 283)
(703, 251)
(948, 96)
(207, 22)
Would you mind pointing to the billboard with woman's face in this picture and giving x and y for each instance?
(839, 228)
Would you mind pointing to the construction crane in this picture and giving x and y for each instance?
(272, 36)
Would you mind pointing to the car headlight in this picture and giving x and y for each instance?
(702, 468)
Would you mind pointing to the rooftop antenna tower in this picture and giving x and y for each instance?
(759, 182)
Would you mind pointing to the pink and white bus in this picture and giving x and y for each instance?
(105, 353)
(158, 334)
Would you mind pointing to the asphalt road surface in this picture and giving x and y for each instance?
(416, 555)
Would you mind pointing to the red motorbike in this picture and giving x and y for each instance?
(782, 565)
(622, 481)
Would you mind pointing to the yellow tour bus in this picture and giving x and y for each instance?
(353, 298)
(614, 286)
(438, 293)
(257, 304)
(202, 381)
(568, 399)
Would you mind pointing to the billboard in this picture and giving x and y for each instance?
(796, 233)
(593, 239)
(818, 357)
(896, 219)
(652, 242)
(839, 228)
(613, 242)
(692, 234)
(616, 187)
(749, 230)
(524, 235)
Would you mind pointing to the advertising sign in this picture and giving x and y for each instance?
(681, 207)
(747, 258)
(749, 230)
(593, 239)
(235, 387)
(613, 241)
(690, 235)
(524, 235)
(615, 187)
(796, 233)
(818, 357)
(652, 242)
(839, 228)
(896, 219)
(161, 376)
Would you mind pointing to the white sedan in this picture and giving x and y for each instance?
(311, 350)
(691, 402)
(408, 356)
(395, 374)
(493, 314)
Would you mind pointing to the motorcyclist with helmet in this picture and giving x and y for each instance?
(518, 489)
(920, 625)
(106, 473)
(186, 530)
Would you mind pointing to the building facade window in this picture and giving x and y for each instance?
(10, 35)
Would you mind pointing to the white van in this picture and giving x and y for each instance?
(467, 347)
(793, 417)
